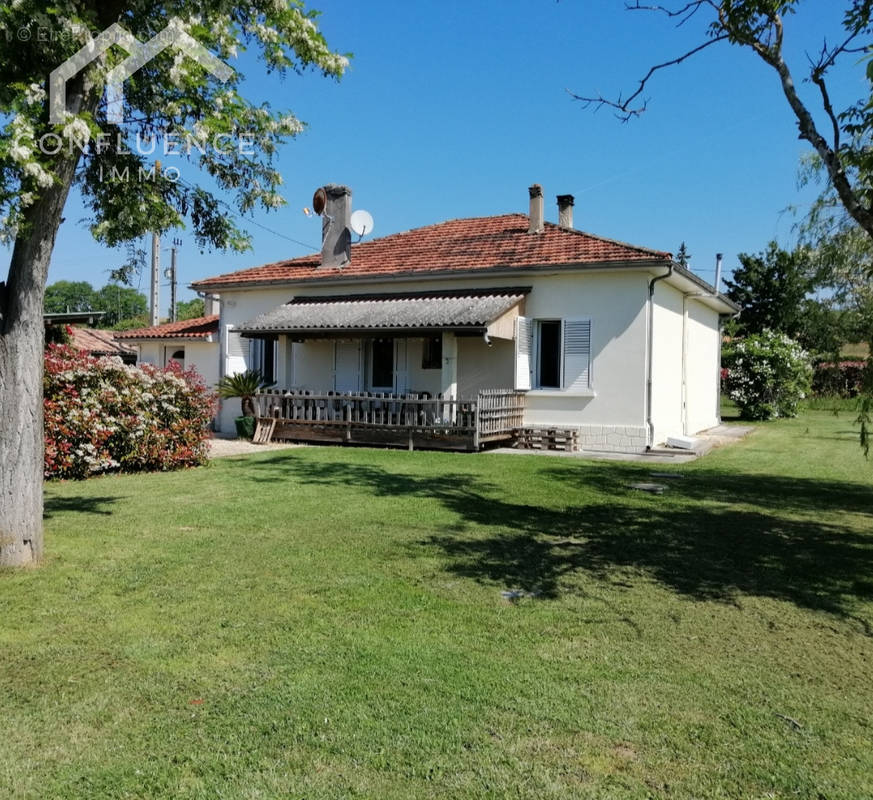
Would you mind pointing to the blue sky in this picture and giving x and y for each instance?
(453, 109)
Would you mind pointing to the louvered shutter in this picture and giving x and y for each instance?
(236, 351)
(523, 352)
(577, 354)
(234, 343)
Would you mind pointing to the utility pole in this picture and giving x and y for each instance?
(173, 276)
(155, 303)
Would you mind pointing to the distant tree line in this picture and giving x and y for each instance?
(803, 294)
(124, 307)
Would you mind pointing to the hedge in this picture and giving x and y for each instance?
(102, 415)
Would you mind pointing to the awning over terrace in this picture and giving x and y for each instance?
(491, 311)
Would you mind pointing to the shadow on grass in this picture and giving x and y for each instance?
(771, 493)
(713, 552)
(78, 505)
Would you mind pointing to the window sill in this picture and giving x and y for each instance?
(561, 393)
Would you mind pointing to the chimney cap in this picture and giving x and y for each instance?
(566, 200)
(535, 190)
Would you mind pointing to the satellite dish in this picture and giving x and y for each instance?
(319, 201)
(362, 222)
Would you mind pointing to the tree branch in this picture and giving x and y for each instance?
(772, 55)
(624, 106)
(686, 12)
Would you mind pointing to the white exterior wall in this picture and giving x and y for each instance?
(484, 367)
(685, 364)
(667, 363)
(203, 357)
(611, 415)
(703, 343)
(150, 353)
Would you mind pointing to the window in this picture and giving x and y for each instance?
(553, 354)
(432, 353)
(263, 357)
(174, 354)
(382, 365)
(549, 354)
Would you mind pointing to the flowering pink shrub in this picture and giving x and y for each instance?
(102, 415)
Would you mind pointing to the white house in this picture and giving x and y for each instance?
(192, 343)
(617, 342)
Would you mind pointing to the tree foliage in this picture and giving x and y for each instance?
(190, 309)
(117, 302)
(776, 290)
(843, 142)
(170, 96)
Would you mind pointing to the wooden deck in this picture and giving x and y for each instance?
(409, 420)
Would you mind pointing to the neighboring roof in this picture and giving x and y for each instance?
(462, 245)
(99, 342)
(468, 309)
(198, 328)
(69, 317)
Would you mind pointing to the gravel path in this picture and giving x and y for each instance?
(220, 447)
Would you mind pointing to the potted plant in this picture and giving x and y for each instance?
(244, 385)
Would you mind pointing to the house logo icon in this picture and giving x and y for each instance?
(140, 54)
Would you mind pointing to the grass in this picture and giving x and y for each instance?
(327, 622)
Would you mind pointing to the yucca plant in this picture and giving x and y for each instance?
(244, 385)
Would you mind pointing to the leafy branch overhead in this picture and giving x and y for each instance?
(171, 102)
(843, 142)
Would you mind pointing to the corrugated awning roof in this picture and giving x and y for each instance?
(462, 310)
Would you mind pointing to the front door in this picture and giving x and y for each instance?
(347, 367)
(381, 377)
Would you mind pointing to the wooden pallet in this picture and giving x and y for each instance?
(566, 439)
(264, 430)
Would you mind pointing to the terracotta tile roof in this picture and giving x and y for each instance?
(460, 245)
(99, 342)
(198, 328)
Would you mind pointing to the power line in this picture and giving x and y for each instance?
(257, 224)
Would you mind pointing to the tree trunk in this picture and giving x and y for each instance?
(22, 340)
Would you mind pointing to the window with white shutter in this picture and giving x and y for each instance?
(523, 353)
(577, 354)
(234, 343)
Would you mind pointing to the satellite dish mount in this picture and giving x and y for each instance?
(361, 223)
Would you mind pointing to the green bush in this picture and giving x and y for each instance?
(768, 374)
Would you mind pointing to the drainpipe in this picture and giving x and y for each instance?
(650, 425)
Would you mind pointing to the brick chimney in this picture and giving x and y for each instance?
(565, 210)
(536, 209)
(336, 235)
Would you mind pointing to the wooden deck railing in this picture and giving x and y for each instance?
(493, 414)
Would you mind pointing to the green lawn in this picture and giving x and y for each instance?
(327, 622)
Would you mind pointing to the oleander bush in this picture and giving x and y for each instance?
(102, 415)
(768, 374)
(838, 379)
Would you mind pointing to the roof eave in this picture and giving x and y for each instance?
(332, 333)
(502, 270)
